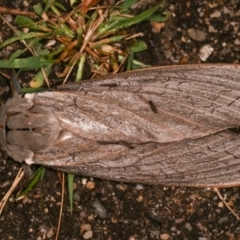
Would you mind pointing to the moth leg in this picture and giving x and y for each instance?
(27, 169)
(19, 153)
(12, 106)
(3, 117)
(18, 104)
(15, 86)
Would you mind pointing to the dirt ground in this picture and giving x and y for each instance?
(118, 211)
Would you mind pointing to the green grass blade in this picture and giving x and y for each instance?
(31, 90)
(80, 68)
(108, 41)
(138, 18)
(38, 9)
(30, 63)
(70, 190)
(17, 54)
(34, 180)
(127, 3)
(163, 17)
(49, 4)
(138, 47)
(24, 36)
(105, 27)
(137, 64)
(24, 21)
(129, 61)
(39, 77)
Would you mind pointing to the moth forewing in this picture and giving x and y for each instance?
(164, 125)
(209, 161)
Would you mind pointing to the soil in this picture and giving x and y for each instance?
(110, 210)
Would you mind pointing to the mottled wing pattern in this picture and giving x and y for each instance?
(213, 160)
(160, 105)
(164, 126)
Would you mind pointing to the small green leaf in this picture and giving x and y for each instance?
(38, 9)
(138, 47)
(24, 21)
(39, 77)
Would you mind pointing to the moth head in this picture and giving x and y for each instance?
(26, 128)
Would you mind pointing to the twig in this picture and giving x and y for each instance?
(229, 208)
(61, 207)
(14, 185)
(11, 11)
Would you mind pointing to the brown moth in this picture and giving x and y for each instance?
(163, 125)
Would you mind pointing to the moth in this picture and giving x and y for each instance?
(165, 125)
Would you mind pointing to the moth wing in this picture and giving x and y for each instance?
(210, 161)
(158, 104)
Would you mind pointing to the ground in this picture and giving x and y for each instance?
(111, 210)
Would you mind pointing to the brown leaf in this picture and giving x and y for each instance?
(86, 4)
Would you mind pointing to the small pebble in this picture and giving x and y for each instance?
(45, 210)
(223, 220)
(90, 185)
(132, 238)
(139, 187)
(196, 34)
(8, 18)
(165, 236)
(237, 42)
(88, 235)
(215, 14)
(50, 233)
(25, 30)
(100, 210)
(220, 205)
(84, 181)
(25, 3)
(188, 226)
(211, 29)
(225, 10)
(51, 43)
(85, 227)
(205, 52)
(212, 5)
(76, 196)
(122, 187)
